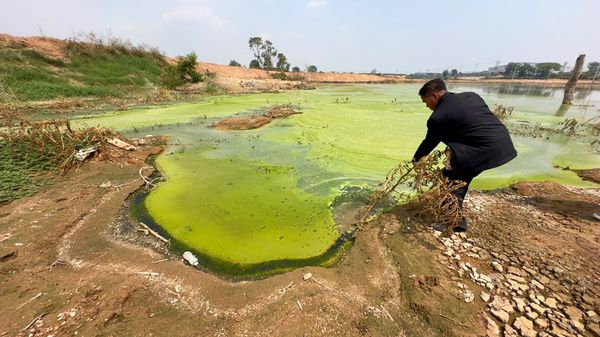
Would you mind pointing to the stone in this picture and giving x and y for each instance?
(497, 266)
(307, 276)
(520, 304)
(550, 302)
(591, 313)
(544, 279)
(532, 315)
(516, 278)
(524, 326)
(577, 325)
(537, 308)
(510, 332)
(541, 323)
(468, 296)
(573, 313)
(594, 329)
(502, 303)
(558, 331)
(515, 271)
(537, 284)
(484, 296)
(587, 299)
(492, 329)
(501, 315)
(540, 298)
(485, 278)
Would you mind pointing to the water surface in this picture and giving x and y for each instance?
(259, 199)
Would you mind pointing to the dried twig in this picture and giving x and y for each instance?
(147, 273)
(158, 236)
(160, 261)
(386, 312)
(30, 300)
(283, 290)
(33, 322)
(147, 181)
(453, 320)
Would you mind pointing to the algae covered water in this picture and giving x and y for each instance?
(256, 202)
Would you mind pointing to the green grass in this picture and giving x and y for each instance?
(85, 72)
(22, 171)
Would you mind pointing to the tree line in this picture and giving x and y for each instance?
(547, 70)
(267, 57)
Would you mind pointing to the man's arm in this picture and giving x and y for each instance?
(432, 139)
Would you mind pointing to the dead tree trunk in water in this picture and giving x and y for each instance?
(570, 87)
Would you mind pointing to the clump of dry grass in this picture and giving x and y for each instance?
(54, 139)
(430, 189)
(503, 112)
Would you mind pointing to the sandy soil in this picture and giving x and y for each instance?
(72, 263)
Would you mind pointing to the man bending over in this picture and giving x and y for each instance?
(475, 136)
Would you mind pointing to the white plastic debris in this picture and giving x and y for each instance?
(121, 144)
(190, 258)
(85, 152)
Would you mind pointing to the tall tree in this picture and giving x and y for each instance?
(312, 69)
(282, 63)
(255, 44)
(267, 54)
(570, 87)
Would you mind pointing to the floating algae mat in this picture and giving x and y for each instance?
(257, 202)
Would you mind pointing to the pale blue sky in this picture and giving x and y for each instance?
(338, 35)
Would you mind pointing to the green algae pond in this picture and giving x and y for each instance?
(257, 202)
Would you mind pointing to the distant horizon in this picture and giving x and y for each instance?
(334, 35)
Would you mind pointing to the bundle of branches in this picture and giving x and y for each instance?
(434, 190)
(55, 139)
(426, 180)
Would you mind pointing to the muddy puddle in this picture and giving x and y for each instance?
(251, 203)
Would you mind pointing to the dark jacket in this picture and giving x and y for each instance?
(465, 123)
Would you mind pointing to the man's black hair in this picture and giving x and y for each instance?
(432, 86)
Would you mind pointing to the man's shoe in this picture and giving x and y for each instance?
(438, 227)
(596, 215)
(461, 227)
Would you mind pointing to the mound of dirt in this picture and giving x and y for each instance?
(242, 123)
(255, 122)
(591, 175)
(50, 47)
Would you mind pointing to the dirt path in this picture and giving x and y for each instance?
(68, 258)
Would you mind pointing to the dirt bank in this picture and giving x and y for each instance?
(71, 264)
